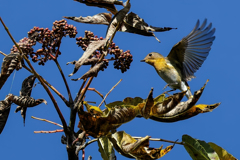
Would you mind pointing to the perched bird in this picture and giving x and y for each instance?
(185, 58)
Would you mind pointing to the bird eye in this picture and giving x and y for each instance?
(150, 54)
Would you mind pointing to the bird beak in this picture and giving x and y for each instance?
(142, 60)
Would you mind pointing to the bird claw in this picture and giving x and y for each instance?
(165, 86)
(167, 92)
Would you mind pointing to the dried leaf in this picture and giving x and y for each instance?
(145, 111)
(222, 153)
(185, 110)
(132, 101)
(9, 64)
(118, 18)
(126, 145)
(101, 18)
(94, 45)
(26, 90)
(199, 150)
(91, 61)
(134, 24)
(25, 101)
(162, 107)
(106, 148)
(107, 4)
(27, 86)
(98, 123)
(94, 71)
(4, 112)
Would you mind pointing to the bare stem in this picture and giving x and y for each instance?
(56, 91)
(3, 53)
(65, 81)
(73, 108)
(80, 91)
(45, 120)
(93, 89)
(109, 92)
(54, 131)
(39, 78)
(163, 140)
(84, 91)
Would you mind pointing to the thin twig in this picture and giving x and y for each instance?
(45, 120)
(39, 78)
(87, 143)
(80, 90)
(93, 89)
(159, 139)
(55, 131)
(65, 81)
(109, 92)
(3, 53)
(83, 92)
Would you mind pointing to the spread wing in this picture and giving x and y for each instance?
(190, 53)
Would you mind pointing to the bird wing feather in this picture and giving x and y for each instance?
(190, 53)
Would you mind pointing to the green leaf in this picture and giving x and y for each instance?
(222, 153)
(106, 148)
(210, 151)
(194, 148)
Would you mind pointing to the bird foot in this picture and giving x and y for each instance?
(165, 86)
(167, 92)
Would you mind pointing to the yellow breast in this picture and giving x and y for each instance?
(160, 64)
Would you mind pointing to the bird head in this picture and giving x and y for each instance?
(152, 57)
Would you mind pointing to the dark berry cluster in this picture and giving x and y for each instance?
(83, 42)
(50, 40)
(122, 60)
(26, 46)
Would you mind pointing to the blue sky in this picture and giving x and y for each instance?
(221, 68)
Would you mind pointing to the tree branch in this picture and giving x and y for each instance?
(54, 131)
(65, 81)
(45, 120)
(39, 78)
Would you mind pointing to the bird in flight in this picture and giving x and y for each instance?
(185, 58)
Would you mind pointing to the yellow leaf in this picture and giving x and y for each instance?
(222, 153)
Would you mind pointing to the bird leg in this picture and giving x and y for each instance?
(170, 84)
(165, 86)
(167, 92)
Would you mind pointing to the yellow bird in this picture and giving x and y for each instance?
(185, 58)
